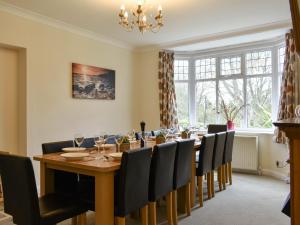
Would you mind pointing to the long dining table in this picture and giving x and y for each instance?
(103, 171)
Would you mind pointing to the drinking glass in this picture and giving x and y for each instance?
(119, 141)
(98, 141)
(79, 138)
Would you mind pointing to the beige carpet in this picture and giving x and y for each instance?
(251, 200)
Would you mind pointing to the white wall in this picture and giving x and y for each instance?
(52, 113)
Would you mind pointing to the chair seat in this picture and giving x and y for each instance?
(55, 208)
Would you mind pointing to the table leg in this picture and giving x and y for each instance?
(46, 179)
(104, 198)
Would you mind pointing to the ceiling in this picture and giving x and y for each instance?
(187, 22)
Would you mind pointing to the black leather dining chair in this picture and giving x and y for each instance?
(216, 128)
(218, 160)
(21, 198)
(227, 158)
(182, 174)
(161, 178)
(132, 184)
(155, 132)
(204, 165)
(64, 182)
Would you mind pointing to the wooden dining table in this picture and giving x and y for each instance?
(103, 171)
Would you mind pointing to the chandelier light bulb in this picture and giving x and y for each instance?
(126, 14)
(159, 8)
(144, 18)
(122, 7)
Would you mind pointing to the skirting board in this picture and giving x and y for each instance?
(277, 175)
(264, 172)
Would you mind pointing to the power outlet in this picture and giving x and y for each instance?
(279, 164)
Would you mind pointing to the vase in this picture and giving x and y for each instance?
(160, 140)
(185, 135)
(124, 147)
(230, 125)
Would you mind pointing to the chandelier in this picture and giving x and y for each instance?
(139, 18)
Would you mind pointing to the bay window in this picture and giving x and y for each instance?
(241, 78)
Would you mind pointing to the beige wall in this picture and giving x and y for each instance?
(9, 100)
(52, 113)
(147, 89)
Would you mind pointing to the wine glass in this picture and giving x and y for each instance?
(145, 138)
(119, 141)
(79, 138)
(98, 141)
(131, 135)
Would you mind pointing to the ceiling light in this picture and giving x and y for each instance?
(138, 18)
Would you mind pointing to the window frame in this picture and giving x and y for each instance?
(228, 52)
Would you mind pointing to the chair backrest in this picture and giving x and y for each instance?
(64, 182)
(132, 181)
(53, 147)
(219, 150)
(162, 170)
(206, 154)
(155, 132)
(228, 147)
(138, 135)
(19, 189)
(183, 163)
(88, 143)
(216, 128)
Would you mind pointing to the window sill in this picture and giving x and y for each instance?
(255, 131)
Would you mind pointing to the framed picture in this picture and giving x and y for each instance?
(295, 7)
(91, 82)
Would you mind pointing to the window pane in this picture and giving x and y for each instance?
(230, 66)
(205, 103)
(231, 91)
(182, 100)
(259, 98)
(259, 63)
(281, 56)
(205, 68)
(181, 69)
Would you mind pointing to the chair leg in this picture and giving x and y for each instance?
(174, 207)
(74, 220)
(120, 220)
(188, 199)
(226, 173)
(220, 178)
(224, 177)
(82, 219)
(200, 190)
(230, 173)
(169, 208)
(152, 213)
(212, 177)
(144, 215)
(209, 185)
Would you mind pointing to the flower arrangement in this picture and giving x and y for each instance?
(230, 111)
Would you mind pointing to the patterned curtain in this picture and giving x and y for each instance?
(167, 97)
(288, 91)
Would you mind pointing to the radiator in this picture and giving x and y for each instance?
(245, 155)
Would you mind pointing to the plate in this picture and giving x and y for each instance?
(116, 155)
(73, 149)
(106, 146)
(74, 155)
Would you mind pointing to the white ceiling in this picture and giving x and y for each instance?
(186, 21)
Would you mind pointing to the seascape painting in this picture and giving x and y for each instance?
(90, 82)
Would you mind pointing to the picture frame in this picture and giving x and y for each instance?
(295, 7)
(91, 82)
